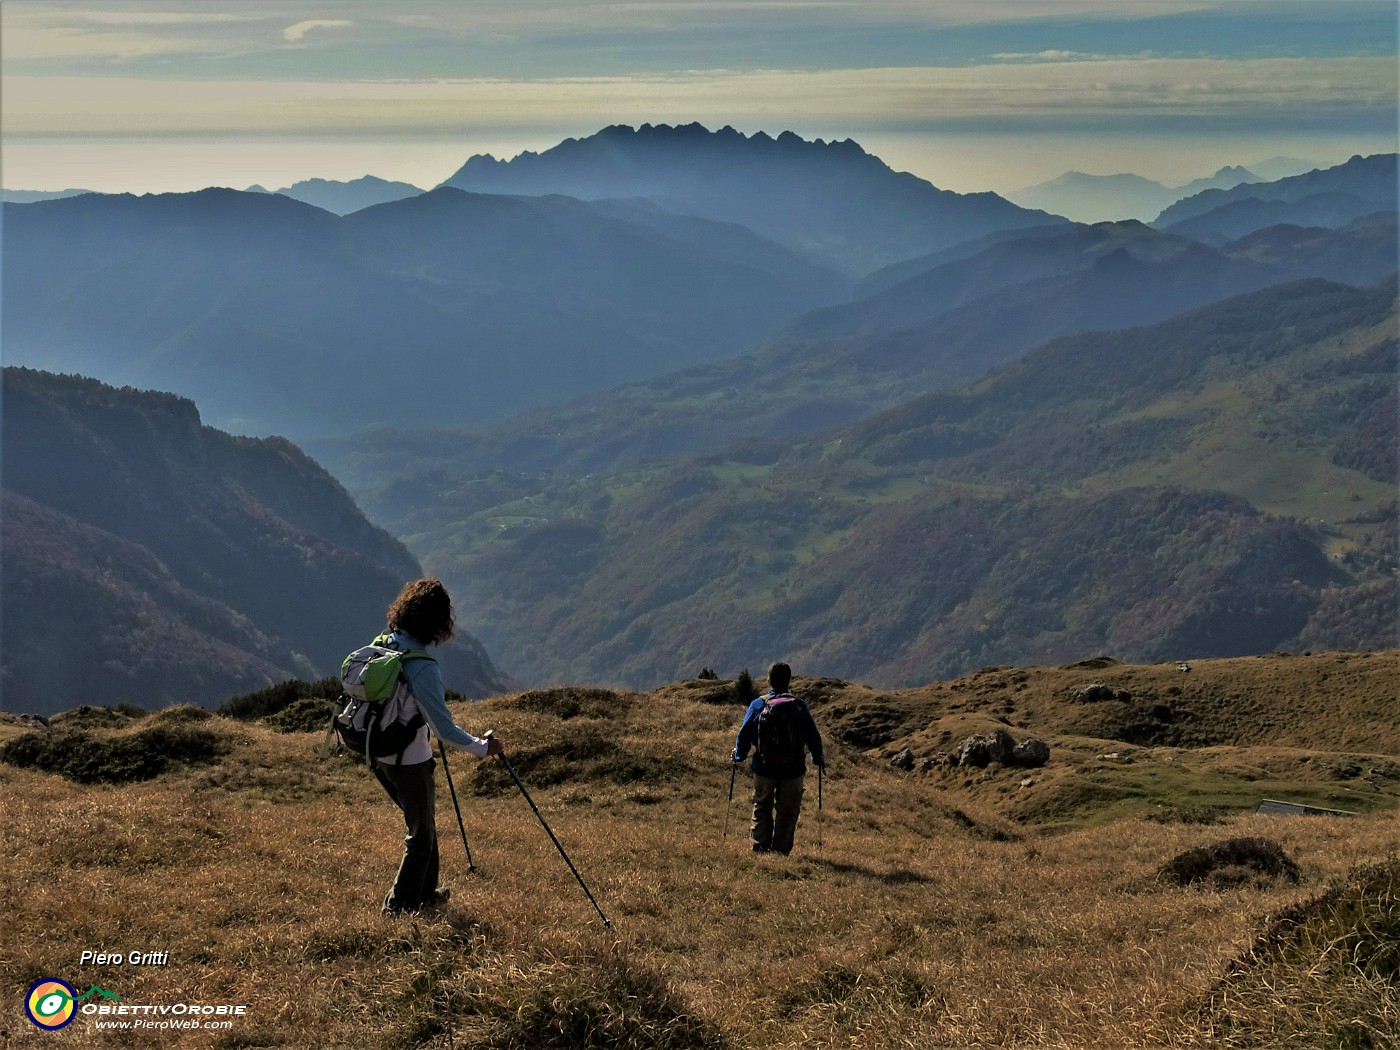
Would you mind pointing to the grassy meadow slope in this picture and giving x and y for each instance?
(928, 908)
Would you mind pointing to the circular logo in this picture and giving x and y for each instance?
(50, 1002)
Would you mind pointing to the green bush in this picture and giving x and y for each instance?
(251, 706)
(87, 758)
(744, 689)
(1233, 862)
(307, 715)
(90, 717)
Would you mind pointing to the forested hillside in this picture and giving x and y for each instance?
(933, 323)
(149, 559)
(1217, 484)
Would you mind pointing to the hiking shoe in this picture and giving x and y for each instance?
(438, 897)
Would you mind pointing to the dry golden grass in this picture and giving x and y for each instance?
(934, 913)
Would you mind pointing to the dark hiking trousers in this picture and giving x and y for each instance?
(776, 805)
(412, 789)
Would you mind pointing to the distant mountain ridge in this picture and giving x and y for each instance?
(30, 196)
(149, 559)
(829, 199)
(342, 198)
(1360, 186)
(924, 326)
(1101, 198)
(479, 304)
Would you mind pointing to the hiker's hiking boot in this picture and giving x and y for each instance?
(436, 899)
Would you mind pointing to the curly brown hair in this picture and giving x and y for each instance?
(424, 610)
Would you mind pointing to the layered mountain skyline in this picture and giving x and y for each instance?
(585, 295)
(669, 415)
(1075, 195)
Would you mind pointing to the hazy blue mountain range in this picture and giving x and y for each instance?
(149, 559)
(980, 435)
(1102, 198)
(438, 309)
(1275, 168)
(1093, 278)
(1243, 217)
(30, 196)
(942, 327)
(1361, 186)
(1218, 483)
(342, 198)
(831, 200)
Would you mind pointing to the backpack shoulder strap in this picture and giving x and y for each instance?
(404, 654)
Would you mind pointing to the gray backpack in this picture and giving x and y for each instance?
(370, 718)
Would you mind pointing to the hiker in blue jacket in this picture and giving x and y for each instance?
(421, 616)
(781, 729)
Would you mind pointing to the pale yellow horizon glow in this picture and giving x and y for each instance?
(962, 163)
(64, 107)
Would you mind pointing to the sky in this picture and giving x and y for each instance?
(969, 94)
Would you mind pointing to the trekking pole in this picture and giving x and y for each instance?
(516, 777)
(733, 769)
(821, 771)
(471, 865)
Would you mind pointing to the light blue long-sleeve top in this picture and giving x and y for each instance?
(429, 697)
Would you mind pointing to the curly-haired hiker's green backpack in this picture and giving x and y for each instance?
(370, 717)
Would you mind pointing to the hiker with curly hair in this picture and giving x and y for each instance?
(419, 617)
(781, 729)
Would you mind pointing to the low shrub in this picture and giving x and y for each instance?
(91, 717)
(182, 714)
(571, 701)
(87, 758)
(251, 706)
(1234, 862)
(307, 715)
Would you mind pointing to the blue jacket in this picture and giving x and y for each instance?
(425, 683)
(748, 736)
